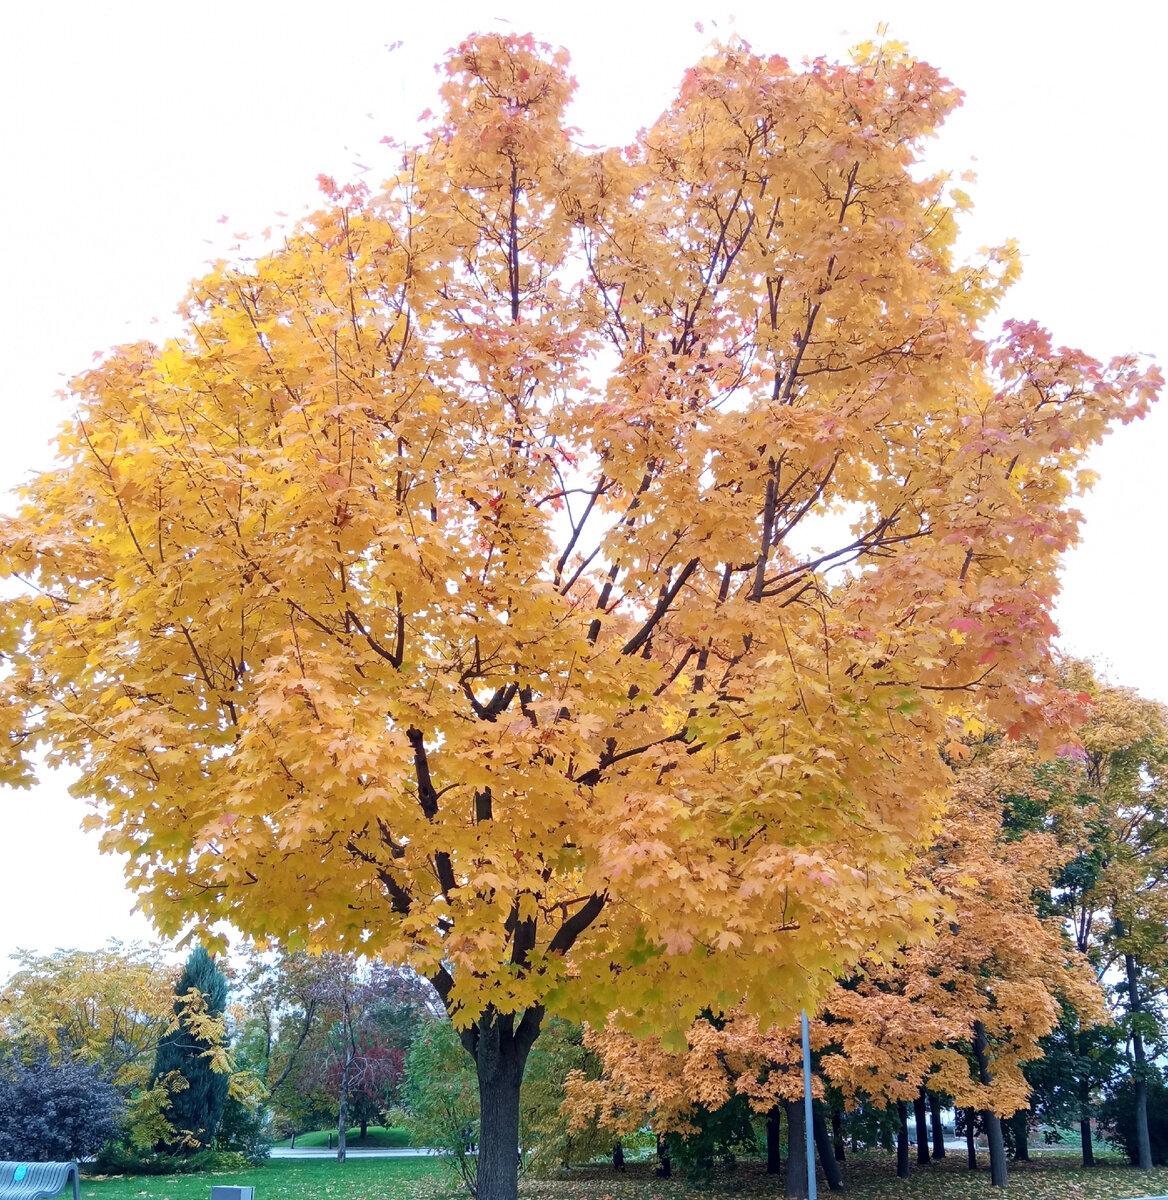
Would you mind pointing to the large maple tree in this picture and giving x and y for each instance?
(446, 590)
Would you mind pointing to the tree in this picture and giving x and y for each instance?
(191, 1061)
(108, 1007)
(548, 1136)
(54, 1111)
(367, 1013)
(699, 1100)
(1114, 890)
(964, 1013)
(1119, 1116)
(441, 1095)
(442, 593)
(1066, 1084)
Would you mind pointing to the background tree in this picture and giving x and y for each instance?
(1114, 890)
(370, 1013)
(191, 1061)
(1118, 1116)
(441, 1098)
(279, 1012)
(55, 1111)
(1068, 1082)
(107, 1007)
(441, 592)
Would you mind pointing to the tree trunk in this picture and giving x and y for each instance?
(920, 1114)
(364, 1128)
(993, 1123)
(1084, 1087)
(971, 1138)
(902, 1140)
(1086, 1142)
(1021, 1120)
(938, 1127)
(796, 1149)
(1139, 1074)
(837, 1135)
(618, 1157)
(664, 1163)
(825, 1150)
(500, 1052)
(997, 1148)
(342, 1107)
(774, 1133)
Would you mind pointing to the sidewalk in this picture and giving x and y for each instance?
(325, 1152)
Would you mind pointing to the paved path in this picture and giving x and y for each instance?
(363, 1152)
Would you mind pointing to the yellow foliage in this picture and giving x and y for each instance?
(440, 592)
(107, 1006)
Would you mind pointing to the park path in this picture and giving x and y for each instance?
(364, 1152)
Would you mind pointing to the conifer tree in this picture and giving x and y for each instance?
(187, 1058)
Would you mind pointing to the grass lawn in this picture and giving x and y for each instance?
(378, 1138)
(287, 1179)
(868, 1177)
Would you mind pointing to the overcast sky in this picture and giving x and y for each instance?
(127, 131)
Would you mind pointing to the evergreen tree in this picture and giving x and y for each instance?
(186, 1058)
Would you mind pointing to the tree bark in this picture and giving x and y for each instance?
(997, 1148)
(837, 1135)
(993, 1123)
(774, 1133)
(342, 1107)
(1139, 1074)
(364, 1127)
(920, 1114)
(971, 1138)
(938, 1127)
(1086, 1141)
(1020, 1121)
(796, 1149)
(618, 1157)
(500, 1048)
(664, 1164)
(1084, 1088)
(902, 1140)
(825, 1150)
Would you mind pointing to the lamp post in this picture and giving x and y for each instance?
(807, 1117)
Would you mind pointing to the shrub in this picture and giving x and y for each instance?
(117, 1158)
(244, 1129)
(55, 1112)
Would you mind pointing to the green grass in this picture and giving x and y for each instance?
(378, 1138)
(868, 1177)
(287, 1179)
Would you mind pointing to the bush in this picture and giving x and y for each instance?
(720, 1135)
(116, 1158)
(1118, 1117)
(245, 1130)
(55, 1113)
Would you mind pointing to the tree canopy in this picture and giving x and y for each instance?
(560, 569)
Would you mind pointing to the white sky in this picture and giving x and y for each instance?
(128, 129)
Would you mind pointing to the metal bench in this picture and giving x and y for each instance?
(37, 1180)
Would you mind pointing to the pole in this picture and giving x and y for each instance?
(807, 1117)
